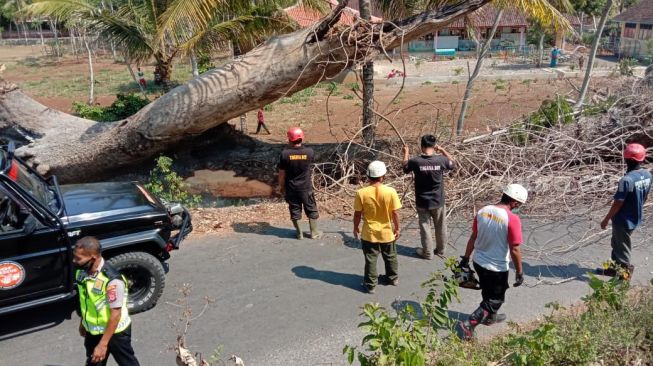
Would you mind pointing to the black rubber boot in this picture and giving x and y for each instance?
(298, 230)
(315, 233)
(465, 329)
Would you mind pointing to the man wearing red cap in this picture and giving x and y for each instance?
(626, 211)
(295, 182)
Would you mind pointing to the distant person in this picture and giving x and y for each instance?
(495, 240)
(141, 78)
(555, 52)
(261, 122)
(377, 205)
(429, 169)
(157, 75)
(581, 62)
(626, 212)
(105, 322)
(296, 184)
(392, 74)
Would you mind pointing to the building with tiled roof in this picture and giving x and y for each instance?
(636, 24)
(306, 17)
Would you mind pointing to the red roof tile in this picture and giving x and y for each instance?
(638, 13)
(306, 17)
(484, 18)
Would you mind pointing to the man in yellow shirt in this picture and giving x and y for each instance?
(378, 206)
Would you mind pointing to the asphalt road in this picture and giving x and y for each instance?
(278, 301)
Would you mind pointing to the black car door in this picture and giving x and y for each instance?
(33, 256)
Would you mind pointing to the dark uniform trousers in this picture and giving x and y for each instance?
(297, 201)
(493, 288)
(120, 347)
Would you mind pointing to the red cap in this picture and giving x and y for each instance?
(295, 133)
(635, 152)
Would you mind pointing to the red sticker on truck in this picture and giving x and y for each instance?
(12, 275)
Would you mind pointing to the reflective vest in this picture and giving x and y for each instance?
(93, 300)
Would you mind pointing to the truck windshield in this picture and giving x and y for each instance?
(32, 184)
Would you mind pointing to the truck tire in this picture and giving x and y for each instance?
(145, 277)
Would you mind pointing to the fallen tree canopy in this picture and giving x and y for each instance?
(76, 149)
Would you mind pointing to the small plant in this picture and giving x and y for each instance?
(534, 348)
(204, 62)
(166, 184)
(348, 97)
(418, 62)
(499, 84)
(610, 293)
(458, 71)
(527, 82)
(405, 339)
(301, 96)
(353, 86)
(626, 66)
(455, 82)
(268, 108)
(427, 82)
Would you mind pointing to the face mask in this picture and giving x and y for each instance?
(86, 266)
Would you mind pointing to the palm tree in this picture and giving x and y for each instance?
(166, 29)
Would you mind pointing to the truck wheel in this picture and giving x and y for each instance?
(145, 277)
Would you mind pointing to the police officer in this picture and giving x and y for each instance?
(295, 182)
(105, 323)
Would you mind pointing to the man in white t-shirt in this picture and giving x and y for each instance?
(496, 236)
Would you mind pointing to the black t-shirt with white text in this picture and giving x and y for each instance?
(429, 186)
(296, 162)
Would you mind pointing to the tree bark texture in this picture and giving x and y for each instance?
(540, 56)
(81, 150)
(368, 85)
(592, 56)
(91, 90)
(477, 69)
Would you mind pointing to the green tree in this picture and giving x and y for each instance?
(165, 29)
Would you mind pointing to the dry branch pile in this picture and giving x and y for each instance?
(565, 167)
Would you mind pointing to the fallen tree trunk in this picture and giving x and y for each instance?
(80, 150)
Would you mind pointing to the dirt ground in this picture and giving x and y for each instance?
(421, 106)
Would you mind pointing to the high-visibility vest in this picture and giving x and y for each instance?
(93, 300)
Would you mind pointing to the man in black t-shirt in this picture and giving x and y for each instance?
(295, 182)
(428, 169)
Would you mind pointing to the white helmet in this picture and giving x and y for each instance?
(516, 192)
(376, 169)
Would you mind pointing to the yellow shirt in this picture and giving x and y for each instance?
(377, 204)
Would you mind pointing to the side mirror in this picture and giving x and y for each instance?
(30, 225)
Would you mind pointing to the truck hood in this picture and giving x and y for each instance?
(99, 200)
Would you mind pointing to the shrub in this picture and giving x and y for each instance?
(301, 96)
(166, 184)
(124, 106)
(406, 339)
(458, 70)
(204, 62)
(626, 66)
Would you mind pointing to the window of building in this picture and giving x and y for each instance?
(645, 31)
(629, 30)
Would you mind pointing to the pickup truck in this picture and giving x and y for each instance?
(40, 221)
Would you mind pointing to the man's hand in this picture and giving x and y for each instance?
(604, 223)
(519, 279)
(464, 262)
(82, 331)
(406, 150)
(438, 149)
(356, 232)
(397, 233)
(281, 191)
(99, 353)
